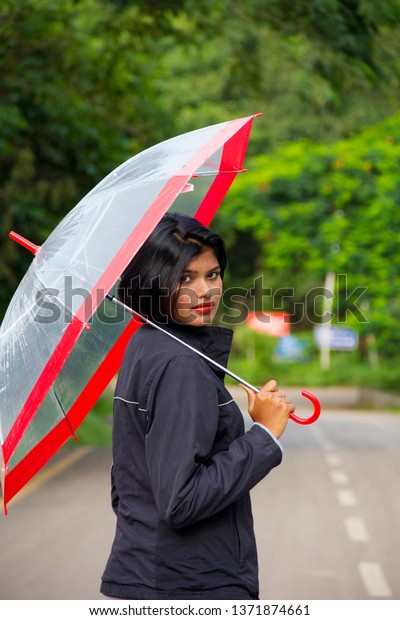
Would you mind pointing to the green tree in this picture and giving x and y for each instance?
(87, 84)
(76, 100)
(310, 208)
(316, 69)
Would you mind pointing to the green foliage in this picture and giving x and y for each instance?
(74, 103)
(87, 84)
(317, 70)
(253, 359)
(315, 208)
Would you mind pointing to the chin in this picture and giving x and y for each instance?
(195, 321)
(202, 322)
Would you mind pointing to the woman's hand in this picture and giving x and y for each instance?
(269, 407)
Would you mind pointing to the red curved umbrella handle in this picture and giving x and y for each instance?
(314, 416)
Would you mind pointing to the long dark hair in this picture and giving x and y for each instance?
(152, 279)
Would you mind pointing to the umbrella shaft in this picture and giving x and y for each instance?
(185, 344)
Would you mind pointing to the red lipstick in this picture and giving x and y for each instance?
(205, 307)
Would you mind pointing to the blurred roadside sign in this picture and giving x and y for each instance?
(289, 349)
(335, 338)
(269, 323)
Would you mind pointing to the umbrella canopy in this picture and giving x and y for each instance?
(59, 346)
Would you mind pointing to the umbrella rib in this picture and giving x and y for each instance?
(73, 434)
(217, 172)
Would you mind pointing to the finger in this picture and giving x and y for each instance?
(250, 393)
(287, 401)
(271, 386)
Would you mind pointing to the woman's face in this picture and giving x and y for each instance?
(200, 292)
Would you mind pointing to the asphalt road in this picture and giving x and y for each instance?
(327, 520)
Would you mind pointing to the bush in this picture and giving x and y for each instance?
(312, 208)
(252, 358)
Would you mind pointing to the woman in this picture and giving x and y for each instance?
(182, 464)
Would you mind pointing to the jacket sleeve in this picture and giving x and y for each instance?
(188, 484)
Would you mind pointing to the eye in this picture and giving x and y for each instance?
(213, 275)
(185, 278)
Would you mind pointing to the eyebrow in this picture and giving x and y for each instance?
(216, 268)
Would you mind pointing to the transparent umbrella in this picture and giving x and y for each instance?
(59, 344)
(59, 348)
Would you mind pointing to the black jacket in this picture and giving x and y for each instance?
(182, 471)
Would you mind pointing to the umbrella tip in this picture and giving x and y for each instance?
(32, 247)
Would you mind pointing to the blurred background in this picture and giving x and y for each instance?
(312, 229)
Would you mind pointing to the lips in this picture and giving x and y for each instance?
(204, 307)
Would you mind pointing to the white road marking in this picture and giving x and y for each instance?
(320, 437)
(356, 530)
(374, 580)
(339, 476)
(333, 460)
(371, 573)
(346, 497)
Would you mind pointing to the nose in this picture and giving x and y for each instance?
(196, 291)
(203, 289)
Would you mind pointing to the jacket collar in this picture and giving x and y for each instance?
(215, 342)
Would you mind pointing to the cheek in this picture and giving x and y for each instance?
(185, 296)
(184, 301)
(218, 288)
